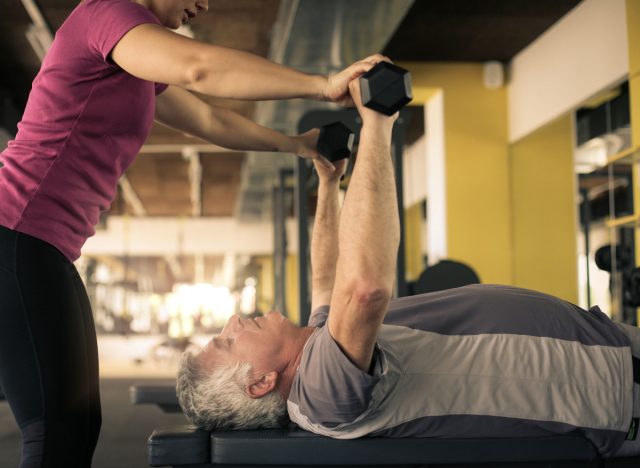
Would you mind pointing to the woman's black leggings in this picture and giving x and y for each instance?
(48, 353)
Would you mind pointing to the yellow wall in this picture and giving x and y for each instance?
(544, 211)
(634, 101)
(265, 285)
(292, 289)
(477, 177)
(413, 242)
(633, 31)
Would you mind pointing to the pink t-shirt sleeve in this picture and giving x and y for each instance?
(160, 88)
(111, 20)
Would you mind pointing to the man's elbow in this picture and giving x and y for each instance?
(370, 292)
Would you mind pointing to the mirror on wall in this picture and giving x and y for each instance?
(606, 247)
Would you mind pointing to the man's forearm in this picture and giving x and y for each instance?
(369, 234)
(324, 240)
(236, 74)
(369, 225)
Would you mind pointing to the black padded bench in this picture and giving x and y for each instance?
(162, 394)
(187, 446)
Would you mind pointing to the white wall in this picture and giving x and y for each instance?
(414, 181)
(424, 178)
(436, 234)
(173, 236)
(581, 55)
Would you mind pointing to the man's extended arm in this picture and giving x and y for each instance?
(369, 235)
(324, 240)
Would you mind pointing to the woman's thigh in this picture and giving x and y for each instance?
(48, 353)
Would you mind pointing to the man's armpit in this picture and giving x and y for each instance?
(319, 316)
(330, 389)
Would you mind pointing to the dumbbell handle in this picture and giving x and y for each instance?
(335, 141)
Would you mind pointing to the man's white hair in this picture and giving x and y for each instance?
(217, 399)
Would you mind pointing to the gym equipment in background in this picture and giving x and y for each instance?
(624, 265)
(445, 274)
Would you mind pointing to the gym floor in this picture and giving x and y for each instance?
(125, 428)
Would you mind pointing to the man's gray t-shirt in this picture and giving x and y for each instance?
(477, 361)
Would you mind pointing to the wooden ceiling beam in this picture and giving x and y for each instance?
(39, 33)
(195, 180)
(130, 196)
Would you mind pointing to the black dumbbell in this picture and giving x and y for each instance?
(335, 141)
(386, 88)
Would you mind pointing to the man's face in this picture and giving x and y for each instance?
(173, 13)
(259, 342)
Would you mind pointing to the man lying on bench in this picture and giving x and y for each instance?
(478, 361)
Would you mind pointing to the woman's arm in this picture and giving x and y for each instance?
(153, 53)
(179, 109)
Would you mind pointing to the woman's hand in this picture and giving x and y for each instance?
(305, 146)
(337, 86)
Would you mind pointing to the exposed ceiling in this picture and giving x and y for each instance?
(159, 177)
(473, 30)
(312, 35)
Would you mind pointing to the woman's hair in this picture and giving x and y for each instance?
(217, 399)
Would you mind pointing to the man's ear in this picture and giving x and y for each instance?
(264, 385)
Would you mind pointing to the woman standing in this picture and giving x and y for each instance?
(113, 67)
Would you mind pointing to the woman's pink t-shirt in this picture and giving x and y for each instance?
(83, 125)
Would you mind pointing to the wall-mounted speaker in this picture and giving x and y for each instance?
(493, 74)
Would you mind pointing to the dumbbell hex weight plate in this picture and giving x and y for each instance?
(386, 88)
(335, 141)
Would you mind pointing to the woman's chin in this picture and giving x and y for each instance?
(172, 23)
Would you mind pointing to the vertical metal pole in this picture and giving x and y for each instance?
(280, 246)
(586, 222)
(302, 215)
(397, 146)
(277, 292)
